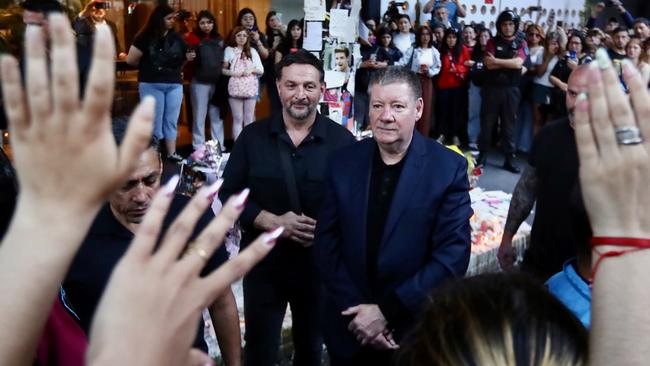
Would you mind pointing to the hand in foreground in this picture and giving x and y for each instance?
(614, 173)
(299, 228)
(64, 152)
(384, 341)
(506, 254)
(150, 309)
(368, 322)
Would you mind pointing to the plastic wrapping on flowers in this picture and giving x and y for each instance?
(473, 172)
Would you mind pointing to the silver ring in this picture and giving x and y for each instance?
(628, 135)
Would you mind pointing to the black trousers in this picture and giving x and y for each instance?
(498, 103)
(267, 291)
(449, 115)
(366, 356)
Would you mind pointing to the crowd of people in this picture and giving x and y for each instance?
(366, 241)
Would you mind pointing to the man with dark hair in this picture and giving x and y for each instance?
(547, 181)
(641, 28)
(394, 226)
(620, 38)
(35, 12)
(504, 59)
(341, 57)
(282, 160)
(111, 234)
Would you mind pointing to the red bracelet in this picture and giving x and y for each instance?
(636, 244)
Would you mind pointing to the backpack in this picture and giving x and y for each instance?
(209, 61)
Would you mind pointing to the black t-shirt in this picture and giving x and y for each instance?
(105, 244)
(554, 156)
(162, 59)
(615, 55)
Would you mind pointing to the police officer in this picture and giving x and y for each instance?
(504, 59)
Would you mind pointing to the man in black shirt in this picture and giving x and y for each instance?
(548, 180)
(282, 160)
(110, 236)
(394, 226)
(620, 38)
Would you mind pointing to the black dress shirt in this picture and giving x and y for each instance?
(255, 163)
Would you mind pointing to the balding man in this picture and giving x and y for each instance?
(548, 180)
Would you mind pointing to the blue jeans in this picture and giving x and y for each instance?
(474, 113)
(201, 106)
(169, 98)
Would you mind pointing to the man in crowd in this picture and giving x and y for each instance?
(92, 15)
(548, 180)
(454, 9)
(504, 58)
(620, 37)
(341, 57)
(394, 226)
(282, 160)
(441, 16)
(641, 28)
(113, 231)
(612, 23)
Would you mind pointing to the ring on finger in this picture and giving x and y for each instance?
(194, 248)
(629, 135)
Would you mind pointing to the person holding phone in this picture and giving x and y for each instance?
(247, 19)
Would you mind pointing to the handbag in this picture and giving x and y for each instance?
(242, 86)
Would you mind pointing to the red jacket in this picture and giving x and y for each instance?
(448, 79)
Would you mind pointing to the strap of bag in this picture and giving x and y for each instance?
(289, 177)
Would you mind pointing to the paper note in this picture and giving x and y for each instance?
(364, 32)
(334, 79)
(313, 40)
(315, 10)
(342, 26)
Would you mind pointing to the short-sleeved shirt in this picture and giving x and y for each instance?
(107, 241)
(162, 59)
(555, 159)
(451, 7)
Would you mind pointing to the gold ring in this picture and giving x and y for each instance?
(196, 249)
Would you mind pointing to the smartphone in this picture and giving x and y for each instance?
(560, 23)
(573, 55)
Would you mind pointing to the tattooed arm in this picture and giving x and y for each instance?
(523, 199)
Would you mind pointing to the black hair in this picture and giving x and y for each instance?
(245, 11)
(269, 31)
(641, 20)
(287, 41)
(495, 319)
(344, 50)
(613, 20)
(403, 16)
(381, 31)
(302, 57)
(458, 48)
(397, 74)
(42, 6)
(214, 33)
(154, 28)
(619, 30)
(119, 125)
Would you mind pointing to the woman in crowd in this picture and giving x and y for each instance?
(247, 19)
(243, 64)
(159, 53)
(292, 42)
(275, 34)
(404, 38)
(206, 42)
(560, 74)
(274, 30)
(635, 53)
(476, 75)
(424, 60)
(541, 88)
(535, 40)
(386, 51)
(451, 87)
(469, 36)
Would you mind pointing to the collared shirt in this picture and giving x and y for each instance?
(101, 250)
(255, 163)
(573, 291)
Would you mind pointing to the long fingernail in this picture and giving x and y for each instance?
(240, 201)
(271, 237)
(211, 191)
(170, 187)
(603, 59)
